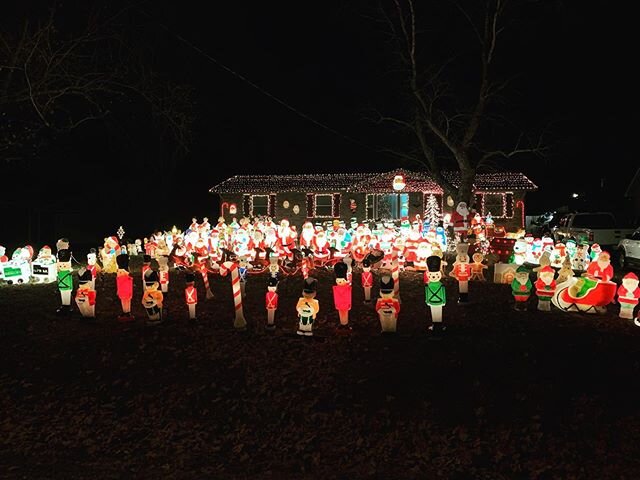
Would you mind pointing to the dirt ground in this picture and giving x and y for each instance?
(504, 395)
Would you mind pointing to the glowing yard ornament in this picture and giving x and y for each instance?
(398, 183)
(460, 219)
(163, 272)
(432, 214)
(435, 293)
(478, 267)
(601, 268)
(44, 266)
(342, 297)
(387, 307)
(580, 259)
(545, 261)
(586, 294)
(152, 297)
(596, 250)
(462, 271)
(521, 288)
(558, 254)
(423, 251)
(243, 264)
(271, 302)
(570, 246)
(519, 254)
(18, 269)
(86, 295)
(4, 260)
(628, 295)
(307, 235)
(124, 287)
(367, 279)
(65, 281)
(109, 252)
(307, 307)
(545, 287)
(239, 321)
(146, 265)
(120, 232)
(190, 294)
(565, 272)
(93, 267)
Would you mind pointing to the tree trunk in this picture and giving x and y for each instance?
(465, 190)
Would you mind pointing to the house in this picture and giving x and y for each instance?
(366, 196)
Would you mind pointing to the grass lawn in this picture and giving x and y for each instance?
(504, 395)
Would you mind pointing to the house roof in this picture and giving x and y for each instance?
(365, 182)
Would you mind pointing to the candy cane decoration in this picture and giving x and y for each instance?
(395, 272)
(205, 278)
(239, 321)
(305, 268)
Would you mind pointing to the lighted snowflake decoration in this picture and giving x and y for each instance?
(120, 232)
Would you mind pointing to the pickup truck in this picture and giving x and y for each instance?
(629, 250)
(595, 227)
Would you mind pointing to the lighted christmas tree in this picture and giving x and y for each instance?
(432, 210)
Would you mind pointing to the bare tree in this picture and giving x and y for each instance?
(53, 80)
(452, 130)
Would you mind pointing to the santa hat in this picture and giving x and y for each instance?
(631, 275)
(114, 240)
(547, 268)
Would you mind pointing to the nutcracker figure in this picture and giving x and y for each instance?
(387, 306)
(65, 281)
(435, 293)
(86, 295)
(307, 307)
(124, 285)
(271, 302)
(190, 294)
(367, 279)
(152, 297)
(342, 296)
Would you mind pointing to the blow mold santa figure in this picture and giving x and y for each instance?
(307, 235)
(286, 239)
(460, 219)
(545, 288)
(321, 245)
(628, 295)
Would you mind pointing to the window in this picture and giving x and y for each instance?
(390, 206)
(494, 203)
(259, 205)
(323, 206)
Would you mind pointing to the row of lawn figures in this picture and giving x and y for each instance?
(545, 251)
(22, 268)
(591, 292)
(253, 239)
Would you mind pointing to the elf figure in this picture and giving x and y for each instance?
(152, 297)
(190, 294)
(387, 306)
(307, 307)
(462, 271)
(65, 281)
(342, 296)
(124, 287)
(271, 302)
(86, 295)
(628, 295)
(545, 288)
(146, 265)
(521, 288)
(435, 293)
(367, 279)
(478, 267)
(163, 272)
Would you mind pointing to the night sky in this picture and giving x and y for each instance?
(331, 63)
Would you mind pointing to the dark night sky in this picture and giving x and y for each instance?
(328, 63)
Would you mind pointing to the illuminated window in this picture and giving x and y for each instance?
(323, 206)
(392, 206)
(260, 205)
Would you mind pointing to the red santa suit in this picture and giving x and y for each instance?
(321, 245)
(595, 270)
(544, 290)
(460, 221)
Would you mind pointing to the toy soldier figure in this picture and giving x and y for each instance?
(65, 281)
(367, 279)
(387, 306)
(124, 285)
(342, 297)
(435, 293)
(307, 307)
(86, 295)
(271, 302)
(190, 294)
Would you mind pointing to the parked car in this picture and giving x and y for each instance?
(629, 250)
(593, 227)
